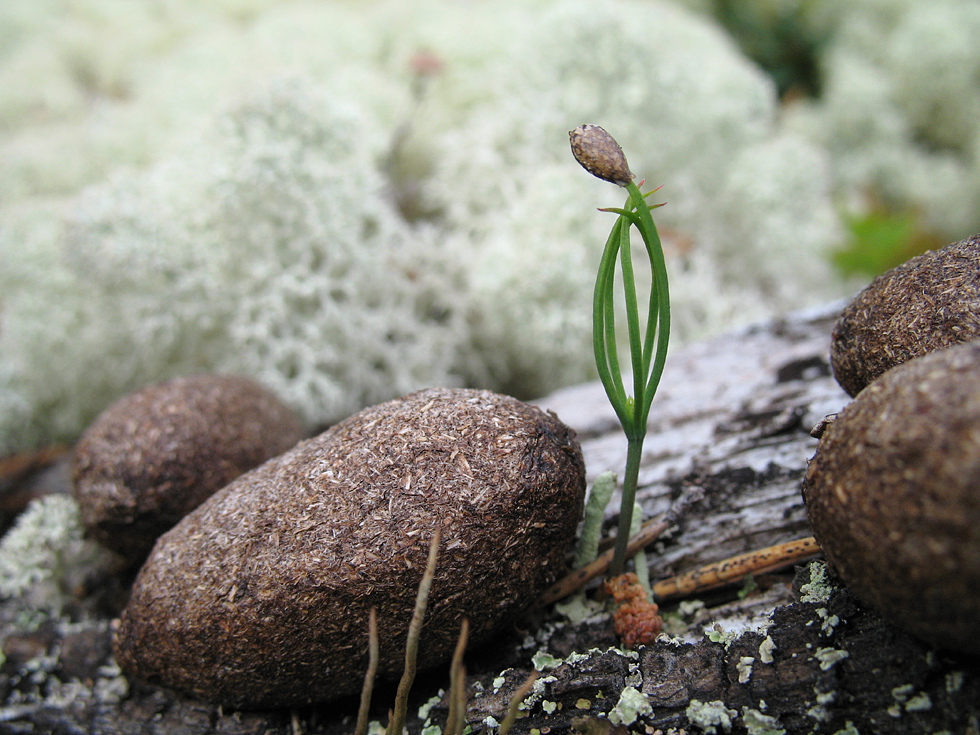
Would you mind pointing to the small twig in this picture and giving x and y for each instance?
(397, 721)
(369, 676)
(736, 568)
(16, 467)
(515, 703)
(456, 719)
(580, 577)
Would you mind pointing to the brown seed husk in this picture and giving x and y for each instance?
(599, 154)
(893, 494)
(930, 302)
(155, 455)
(261, 596)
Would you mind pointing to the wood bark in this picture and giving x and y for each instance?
(727, 449)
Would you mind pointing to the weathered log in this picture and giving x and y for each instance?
(727, 449)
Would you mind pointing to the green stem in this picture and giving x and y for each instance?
(634, 452)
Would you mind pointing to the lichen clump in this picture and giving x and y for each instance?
(254, 220)
(45, 559)
(261, 596)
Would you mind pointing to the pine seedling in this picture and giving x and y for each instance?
(601, 155)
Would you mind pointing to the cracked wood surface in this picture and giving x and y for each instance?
(728, 445)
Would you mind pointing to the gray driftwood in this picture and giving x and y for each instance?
(728, 445)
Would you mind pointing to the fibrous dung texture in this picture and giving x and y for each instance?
(261, 596)
(930, 302)
(893, 494)
(155, 455)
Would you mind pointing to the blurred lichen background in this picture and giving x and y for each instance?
(352, 199)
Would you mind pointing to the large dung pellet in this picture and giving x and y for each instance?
(156, 454)
(893, 494)
(261, 596)
(930, 302)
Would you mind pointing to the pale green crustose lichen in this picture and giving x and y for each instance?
(765, 650)
(632, 705)
(744, 668)
(828, 657)
(757, 723)
(543, 661)
(710, 716)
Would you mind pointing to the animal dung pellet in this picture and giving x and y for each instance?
(261, 596)
(929, 302)
(893, 495)
(156, 454)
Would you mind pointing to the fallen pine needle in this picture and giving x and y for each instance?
(736, 568)
(515, 703)
(456, 719)
(372, 671)
(580, 577)
(397, 721)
